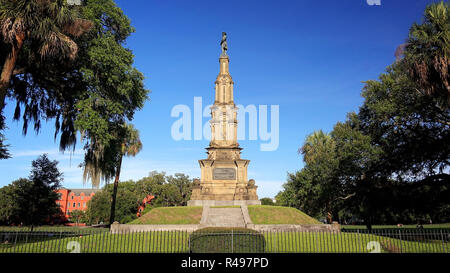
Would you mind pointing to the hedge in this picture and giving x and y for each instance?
(226, 240)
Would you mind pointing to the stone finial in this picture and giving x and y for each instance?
(251, 182)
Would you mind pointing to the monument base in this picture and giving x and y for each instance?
(213, 203)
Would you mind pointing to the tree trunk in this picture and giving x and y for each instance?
(114, 195)
(329, 213)
(8, 67)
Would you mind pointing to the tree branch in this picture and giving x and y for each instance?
(347, 197)
(17, 71)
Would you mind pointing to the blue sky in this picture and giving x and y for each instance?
(309, 57)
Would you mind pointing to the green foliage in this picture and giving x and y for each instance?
(78, 216)
(168, 190)
(301, 192)
(4, 154)
(427, 54)
(8, 204)
(267, 201)
(94, 93)
(226, 240)
(183, 185)
(407, 126)
(99, 207)
(32, 201)
(38, 46)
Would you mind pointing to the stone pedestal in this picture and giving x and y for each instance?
(224, 179)
(222, 203)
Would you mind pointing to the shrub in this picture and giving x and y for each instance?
(226, 240)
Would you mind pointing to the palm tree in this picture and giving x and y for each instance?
(427, 53)
(103, 162)
(44, 25)
(315, 142)
(317, 150)
(130, 145)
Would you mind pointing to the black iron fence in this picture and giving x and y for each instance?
(350, 241)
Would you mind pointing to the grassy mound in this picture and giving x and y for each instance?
(226, 240)
(270, 215)
(171, 216)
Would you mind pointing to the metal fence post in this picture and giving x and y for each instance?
(317, 243)
(359, 242)
(275, 240)
(401, 242)
(443, 243)
(232, 249)
(15, 241)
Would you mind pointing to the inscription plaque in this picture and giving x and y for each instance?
(224, 174)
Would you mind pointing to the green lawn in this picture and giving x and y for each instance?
(104, 242)
(225, 207)
(171, 216)
(434, 226)
(50, 228)
(325, 242)
(265, 215)
(176, 241)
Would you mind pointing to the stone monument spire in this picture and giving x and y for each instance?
(224, 111)
(224, 174)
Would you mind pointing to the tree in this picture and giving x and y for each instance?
(267, 201)
(99, 207)
(4, 154)
(77, 215)
(184, 185)
(130, 145)
(118, 93)
(427, 54)
(41, 199)
(168, 190)
(32, 201)
(357, 172)
(301, 191)
(319, 154)
(42, 25)
(90, 94)
(315, 144)
(8, 204)
(168, 195)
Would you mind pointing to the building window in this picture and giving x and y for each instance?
(84, 205)
(72, 196)
(74, 205)
(82, 197)
(68, 205)
(79, 205)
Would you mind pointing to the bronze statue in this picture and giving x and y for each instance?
(223, 44)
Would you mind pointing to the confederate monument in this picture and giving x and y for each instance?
(224, 179)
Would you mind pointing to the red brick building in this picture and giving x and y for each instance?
(74, 199)
(77, 199)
